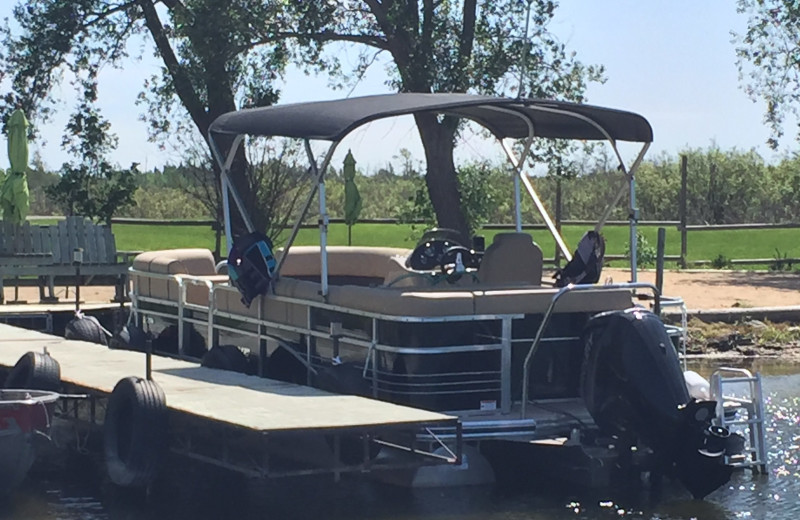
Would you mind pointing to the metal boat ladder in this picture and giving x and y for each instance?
(743, 415)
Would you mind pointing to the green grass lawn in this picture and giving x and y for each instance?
(703, 245)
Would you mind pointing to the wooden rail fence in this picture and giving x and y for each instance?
(678, 224)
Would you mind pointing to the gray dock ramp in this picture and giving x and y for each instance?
(245, 401)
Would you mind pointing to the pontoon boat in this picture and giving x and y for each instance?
(525, 365)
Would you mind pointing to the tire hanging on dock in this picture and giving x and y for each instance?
(86, 328)
(129, 337)
(35, 371)
(282, 365)
(227, 357)
(167, 341)
(135, 432)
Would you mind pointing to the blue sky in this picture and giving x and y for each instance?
(670, 60)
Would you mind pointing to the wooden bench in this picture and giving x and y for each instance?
(47, 252)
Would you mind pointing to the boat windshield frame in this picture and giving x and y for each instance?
(506, 118)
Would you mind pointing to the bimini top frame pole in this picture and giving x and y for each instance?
(629, 176)
(323, 214)
(229, 189)
(519, 168)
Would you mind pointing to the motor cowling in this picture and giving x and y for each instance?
(635, 390)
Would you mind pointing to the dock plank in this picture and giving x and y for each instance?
(246, 401)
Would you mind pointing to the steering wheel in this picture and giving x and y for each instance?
(447, 263)
(427, 256)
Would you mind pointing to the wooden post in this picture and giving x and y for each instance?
(662, 239)
(714, 202)
(557, 255)
(218, 241)
(148, 357)
(682, 216)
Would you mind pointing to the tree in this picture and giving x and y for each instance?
(92, 188)
(769, 59)
(218, 56)
(459, 46)
(272, 176)
(480, 188)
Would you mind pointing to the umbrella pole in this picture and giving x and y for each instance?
(349, 235)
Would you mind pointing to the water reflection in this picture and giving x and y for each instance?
(80, 492)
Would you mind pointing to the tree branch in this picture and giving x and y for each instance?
(427, 26)
(398, 41)
(412, 11)
(173, 4)
(105, 14)
(329, 36)
(181, 81)
(467, 40)
(381, 15)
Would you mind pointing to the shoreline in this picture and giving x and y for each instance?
(736, 333)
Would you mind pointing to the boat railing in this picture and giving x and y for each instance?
(455, 384)
(743, 413)
(681, 332)
(181, 305)
(571, 288)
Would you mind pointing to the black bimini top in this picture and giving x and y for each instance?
(504, 117)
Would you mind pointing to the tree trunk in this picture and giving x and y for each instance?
(441, 180)
(220, 99)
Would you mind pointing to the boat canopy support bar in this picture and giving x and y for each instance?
(518, 164)
(319, 174)
(562, 246)
(229, 189)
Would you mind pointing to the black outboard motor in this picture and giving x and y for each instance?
(251, 265)
(587, 263)
(634, 388)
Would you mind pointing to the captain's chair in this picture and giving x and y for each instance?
(512, 258)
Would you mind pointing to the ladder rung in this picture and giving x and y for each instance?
(738, 423)
(753, 454)
(745, 464)
(730, 380)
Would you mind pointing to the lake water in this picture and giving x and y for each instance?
(79, 492)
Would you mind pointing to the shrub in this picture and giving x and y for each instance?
(645, 252)
(721, 262)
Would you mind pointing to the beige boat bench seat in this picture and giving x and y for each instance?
(197, 263)
(469, 301)
(368, 266)
(512, 258)
(298, 282)
(416, 303)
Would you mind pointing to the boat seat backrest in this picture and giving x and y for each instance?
(346, 264)
(512, 258)
(193, 261)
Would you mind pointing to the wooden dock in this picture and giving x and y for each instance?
(246, 401)
(50, 317)
(215, 400)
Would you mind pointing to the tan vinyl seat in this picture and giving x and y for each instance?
(513, 258)
(194, 262)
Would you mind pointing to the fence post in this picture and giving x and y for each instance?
(682, 217)
(557, 256)
(662, 239)
(217, 241)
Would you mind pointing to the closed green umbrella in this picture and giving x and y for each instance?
(352, 199)
(14, 197)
